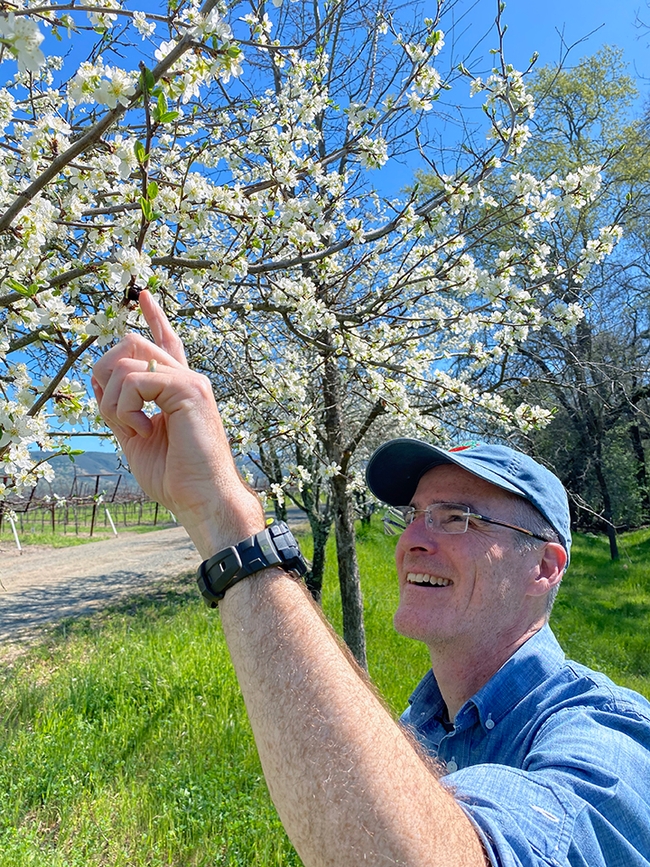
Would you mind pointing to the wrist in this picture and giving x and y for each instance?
(213, 528)
(274, 546)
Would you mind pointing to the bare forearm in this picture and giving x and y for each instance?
(349, 786)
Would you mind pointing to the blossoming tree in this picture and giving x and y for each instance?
(234, 160)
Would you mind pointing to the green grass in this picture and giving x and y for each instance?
(602, 613)
(395, 663)
(125, 740)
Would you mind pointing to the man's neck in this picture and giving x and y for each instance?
(460, 673)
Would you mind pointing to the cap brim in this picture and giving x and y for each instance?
(395, 469)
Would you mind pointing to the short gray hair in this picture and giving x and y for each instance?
(532, 519)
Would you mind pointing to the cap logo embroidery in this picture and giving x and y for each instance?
(465, 446)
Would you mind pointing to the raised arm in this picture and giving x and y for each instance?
(348, 784)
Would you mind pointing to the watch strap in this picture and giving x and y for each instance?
(273, 546)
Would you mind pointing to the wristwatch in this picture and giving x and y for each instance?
(274, 546)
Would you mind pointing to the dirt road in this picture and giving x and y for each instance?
(45, 585)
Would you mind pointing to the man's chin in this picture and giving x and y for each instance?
(412, 625)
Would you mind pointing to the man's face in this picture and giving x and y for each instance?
(476, 587)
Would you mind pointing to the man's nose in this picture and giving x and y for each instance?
(418, 536)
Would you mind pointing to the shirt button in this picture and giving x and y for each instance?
(452, 766)
(489, 724)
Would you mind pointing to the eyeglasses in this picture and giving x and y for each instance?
(449, 518)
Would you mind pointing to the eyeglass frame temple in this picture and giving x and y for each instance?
(510, 526)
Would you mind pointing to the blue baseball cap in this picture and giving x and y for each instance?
(395, 468)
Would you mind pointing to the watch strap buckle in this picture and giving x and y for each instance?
(273, 546)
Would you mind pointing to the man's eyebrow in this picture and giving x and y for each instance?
(471, 508)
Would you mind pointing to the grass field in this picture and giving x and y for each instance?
(62, 540)
(125, 742)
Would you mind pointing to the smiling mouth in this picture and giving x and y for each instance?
(427, 580)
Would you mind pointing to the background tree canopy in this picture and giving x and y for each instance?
(595, 376)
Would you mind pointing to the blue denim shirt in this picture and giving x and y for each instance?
(550, 761)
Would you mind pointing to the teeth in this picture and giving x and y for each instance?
(423, 578)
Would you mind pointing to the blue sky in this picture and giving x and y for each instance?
(542, 26)
(535, 25)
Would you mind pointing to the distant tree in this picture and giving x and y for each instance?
(595, 377)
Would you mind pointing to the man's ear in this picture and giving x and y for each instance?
(550, 569)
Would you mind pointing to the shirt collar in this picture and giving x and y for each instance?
(535, 661)
(538, 658)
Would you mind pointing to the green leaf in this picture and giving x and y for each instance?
(148, 80)
(21, 289)
(140, 153)
(168, 117)
(147, 210)
(152, 190)
(72, 452)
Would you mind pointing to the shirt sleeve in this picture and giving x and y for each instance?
(582, 800)
(521, 822)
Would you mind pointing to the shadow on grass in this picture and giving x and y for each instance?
(160, 600)
(32, 627)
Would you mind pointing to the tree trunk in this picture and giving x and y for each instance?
(354, 633)
(320, 531)
(608, 515)
(641, 471)
(272, 469)
(346, 550)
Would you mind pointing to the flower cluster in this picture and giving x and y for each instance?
(105, 85)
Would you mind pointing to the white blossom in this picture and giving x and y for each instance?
(273, 242)
(104, 19)
(23, 37)
(116, 87)
(373, 153)
(144, 27)
(130, 267)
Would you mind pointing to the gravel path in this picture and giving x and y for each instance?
(44, 585)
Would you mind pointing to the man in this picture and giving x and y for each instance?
(545, 776)
(551, 760)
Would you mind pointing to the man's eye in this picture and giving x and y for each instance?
(454, 517)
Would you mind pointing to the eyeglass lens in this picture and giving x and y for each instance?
(439, 517)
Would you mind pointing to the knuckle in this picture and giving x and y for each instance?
(132, 340)
(204, 384)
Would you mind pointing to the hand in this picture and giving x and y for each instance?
(181, 456)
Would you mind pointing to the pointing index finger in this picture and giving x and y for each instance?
(163, 334)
